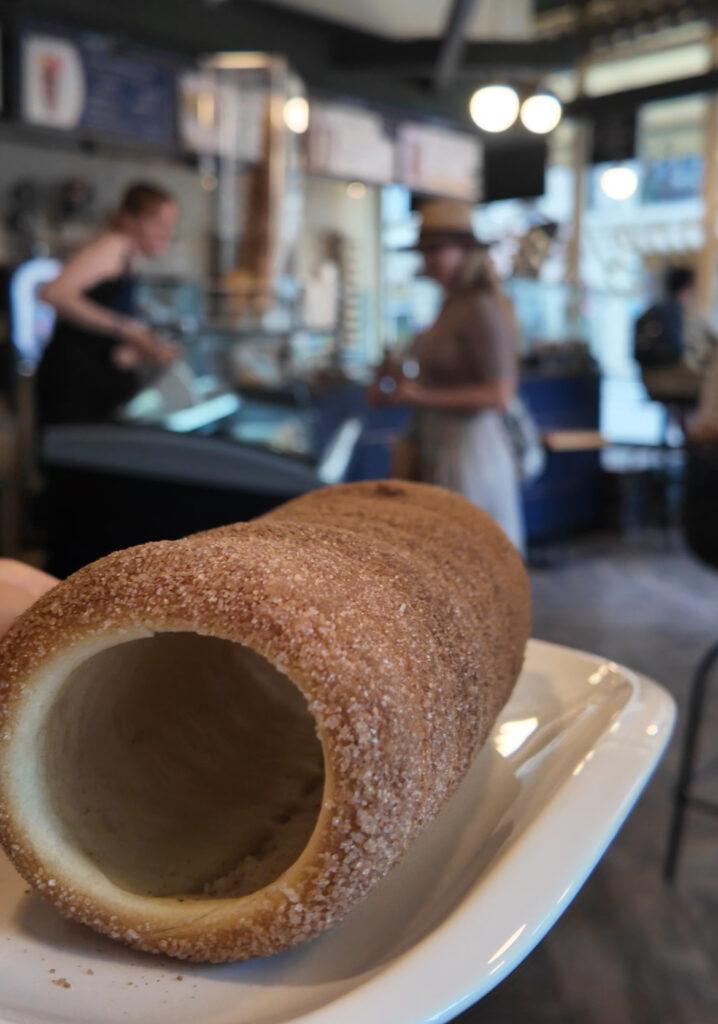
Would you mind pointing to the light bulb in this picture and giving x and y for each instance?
(541, 113)
(296, 114)
(619, 182)
(205, 108)
(356, 189)
(494, 108)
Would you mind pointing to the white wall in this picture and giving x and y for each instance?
(50, 165)
(329, 208)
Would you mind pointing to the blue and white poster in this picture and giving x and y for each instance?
(93, 82)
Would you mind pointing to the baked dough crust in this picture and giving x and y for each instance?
(399, 611)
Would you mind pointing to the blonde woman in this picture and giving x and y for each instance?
(468, 371)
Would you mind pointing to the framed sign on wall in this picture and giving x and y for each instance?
(440, 161)
(97, 83)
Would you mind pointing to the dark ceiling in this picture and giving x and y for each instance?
(332, 58)
(435, 75)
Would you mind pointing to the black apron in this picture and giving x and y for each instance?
(77, 380)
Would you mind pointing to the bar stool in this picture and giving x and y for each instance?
(700, 519)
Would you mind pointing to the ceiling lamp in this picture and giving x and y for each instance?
(494, 108)
(296, 114)
(541, 113)
(619, 182)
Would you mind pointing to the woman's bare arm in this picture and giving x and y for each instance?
(99, 260)
(496, 394)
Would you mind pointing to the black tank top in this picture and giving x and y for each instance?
(117, 293)
(77, 381)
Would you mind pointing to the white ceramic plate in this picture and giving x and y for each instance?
(565, 764)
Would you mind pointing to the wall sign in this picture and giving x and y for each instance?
(675, 178)
(440, 161)
(97, 83)
(53, 82)
(222, 118)
(349, 142)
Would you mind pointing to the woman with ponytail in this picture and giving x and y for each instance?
(99, 348)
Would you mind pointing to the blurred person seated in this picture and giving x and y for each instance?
(674, 342)
(702, 427)
(100, 353)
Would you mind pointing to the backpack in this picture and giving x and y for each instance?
(658, 337)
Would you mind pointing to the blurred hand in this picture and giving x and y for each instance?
(20, 586)
(145, 347)
(407, 392)
(401, 392)
(165, 352)
(126, 357)
(375, 396)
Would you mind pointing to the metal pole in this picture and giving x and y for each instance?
(580, 157)
(452, 42)
(707, 257)
(582, 137)
(682, 799)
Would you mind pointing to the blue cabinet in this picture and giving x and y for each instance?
(567, 497)
(564, 500)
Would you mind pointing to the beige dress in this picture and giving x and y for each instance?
(473, 341)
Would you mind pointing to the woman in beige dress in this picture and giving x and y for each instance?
(468, 372)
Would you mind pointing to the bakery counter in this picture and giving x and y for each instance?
(109, 486)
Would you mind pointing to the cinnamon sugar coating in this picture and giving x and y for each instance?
(399, 610)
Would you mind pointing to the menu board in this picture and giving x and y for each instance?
(440, 161)
(222, 118)
(675, 177)
(97, 83)
(352, 143)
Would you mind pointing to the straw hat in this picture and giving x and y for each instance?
(447, 222)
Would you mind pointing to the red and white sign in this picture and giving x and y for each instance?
(440, 161)
(222, 118)
(351, 143)
(53, 82)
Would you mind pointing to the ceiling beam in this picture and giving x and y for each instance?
(631, 99)
(417, 58)
(452, 43)
(314, 46)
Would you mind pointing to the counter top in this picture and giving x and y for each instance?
(160, 454)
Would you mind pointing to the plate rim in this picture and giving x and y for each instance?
(650, 701)
(388, 995)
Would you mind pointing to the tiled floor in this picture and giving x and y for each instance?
(630, 950)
